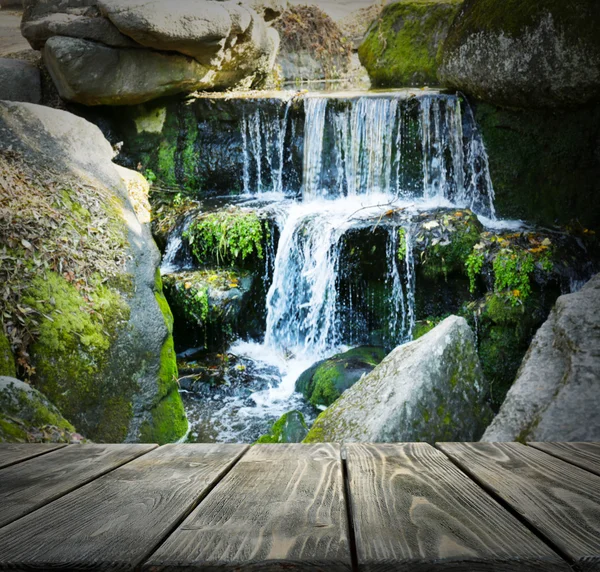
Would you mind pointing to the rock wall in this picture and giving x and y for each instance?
(556, 396)
(97, 337)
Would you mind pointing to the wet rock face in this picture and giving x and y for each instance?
(118, 52)
(525, 53)
(555, 396)
(402, 45)
(290, 428)
(429, 390)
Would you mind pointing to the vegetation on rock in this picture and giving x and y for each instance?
(290, 428)
(401, 48)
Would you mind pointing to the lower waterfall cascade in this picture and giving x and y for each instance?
(363, 157)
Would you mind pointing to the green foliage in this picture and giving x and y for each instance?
(512, 271)
(7, 360)
(227, 237)
(402, 243)
(150, 176)
(473, 265)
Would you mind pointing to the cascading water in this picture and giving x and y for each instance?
(364, 158)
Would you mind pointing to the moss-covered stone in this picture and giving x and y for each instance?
(544, 164)
(401, 48)
(525, 53)
(26, 415)
(7, 360)
(212, 306)
(290, 428)
(325, 381)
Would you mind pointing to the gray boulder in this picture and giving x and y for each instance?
(538, 53)
(431, 389)
(94, 74)
(19, 81)
(103, 355)
(556, 396)
(26, 415)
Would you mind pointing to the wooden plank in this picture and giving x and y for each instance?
(561, 501)
(116, 521)
(413, 509)
(282, 507)
(12, 453)
(29, 485)
(584, 455)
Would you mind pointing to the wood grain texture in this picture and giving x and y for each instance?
(12, 453)
(584, 455)
(34, 483)
(116, 521)
(559, 500)
(282, 507)
(414, 510)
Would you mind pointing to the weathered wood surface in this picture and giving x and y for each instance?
(116, 521)
(29, 485)
(414, 510)
(584, 455)
(561, 501)
(11, 453)
(282, 507)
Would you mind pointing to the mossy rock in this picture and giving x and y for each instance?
(544, 164)
(7, 360)
(211, 306)
(525, 53)
(290, 428)
(401, 48)
(325, 381)
(26, 415)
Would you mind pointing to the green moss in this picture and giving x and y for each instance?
(543, 163)
(7, 360)
(324, 382)
(423, 327)
(401, 48)
(227, 237)
(72, 351)
(11, 431)
(290, 428)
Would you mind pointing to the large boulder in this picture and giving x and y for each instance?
(326, 380)
(94, 74)
(85, 304)
(401, 47)
(556, 396)
(26, 415)
(19, 81)
(527, 53)
(120, 52)
(289, 428)
(429, 390)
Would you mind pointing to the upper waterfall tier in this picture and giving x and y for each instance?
(405, 147)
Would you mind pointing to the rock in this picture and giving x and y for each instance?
(556, 394)
(290, 428)
(401, 47)
(537, 53)
(197, 29)
(19, 81)
(210, 305)
(325, 381)
(103, 348)
(429, 390)
(139, 189)
(26, 415)
(95, 29)
(7, 360)
(312, 45)
(269, 9)
(93, 74)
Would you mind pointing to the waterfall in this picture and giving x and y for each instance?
(263, 148)
(315, 109)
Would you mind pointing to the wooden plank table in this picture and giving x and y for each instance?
(323, 507)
